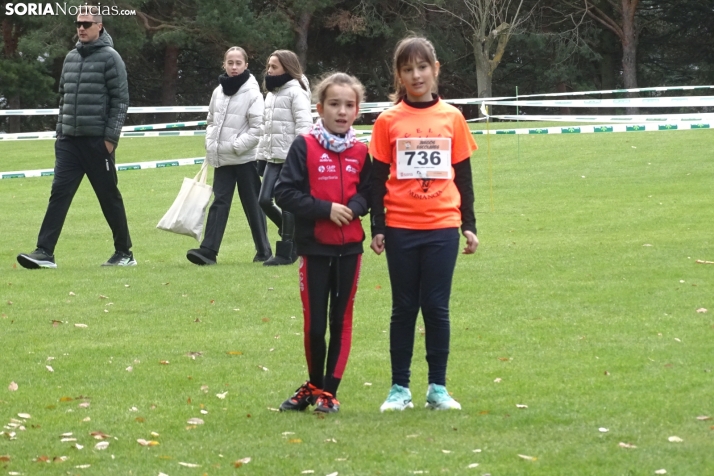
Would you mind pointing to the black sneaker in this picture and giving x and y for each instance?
(303, 397)
(201, 256)
(121, 259)
(37, 259)
(327, 403)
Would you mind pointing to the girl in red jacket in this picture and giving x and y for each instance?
(324, 183)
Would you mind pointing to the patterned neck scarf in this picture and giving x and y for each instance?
(330, 141)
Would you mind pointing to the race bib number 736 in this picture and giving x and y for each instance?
(424, 158)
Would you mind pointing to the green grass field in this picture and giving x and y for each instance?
(581, 303)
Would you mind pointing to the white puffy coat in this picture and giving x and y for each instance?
(287, 114)
(234, 124)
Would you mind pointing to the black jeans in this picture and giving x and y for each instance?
(225, 180)
(421, 267)
(75, 157)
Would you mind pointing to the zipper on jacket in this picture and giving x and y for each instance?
(106, 161)
(342, 192)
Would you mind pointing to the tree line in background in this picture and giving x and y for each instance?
(173, 49)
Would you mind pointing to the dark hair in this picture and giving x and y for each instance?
(341, 79)
(290, 63)
(238, 49)
(412, 48)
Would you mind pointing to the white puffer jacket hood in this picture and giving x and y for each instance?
(234, 125)
(287, 114)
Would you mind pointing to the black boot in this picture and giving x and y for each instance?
(283, 254)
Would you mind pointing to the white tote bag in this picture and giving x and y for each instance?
(188, 211)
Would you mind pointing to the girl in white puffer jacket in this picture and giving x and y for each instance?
(235, 116)
(287, 115)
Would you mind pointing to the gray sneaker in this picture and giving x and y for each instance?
(399, 399)
(121, 259)
(37, 259)
(438, 398)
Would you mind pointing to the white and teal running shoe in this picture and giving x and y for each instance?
(437, 398)
(398, 399)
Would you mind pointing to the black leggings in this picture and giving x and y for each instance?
(421, 267)
(323, 279)
(285, 221)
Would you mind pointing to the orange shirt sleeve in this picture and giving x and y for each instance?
(463, 143)
(380, 146)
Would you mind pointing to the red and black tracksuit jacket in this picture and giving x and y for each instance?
(311, 180)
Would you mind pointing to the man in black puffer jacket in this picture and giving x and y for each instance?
(94, 99)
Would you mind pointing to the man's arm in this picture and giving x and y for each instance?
(118, 90)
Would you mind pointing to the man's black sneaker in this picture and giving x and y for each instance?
(327, 403)
(121, 259)
(303, 397)
(285, 253)
(37, 259)
(201, 256)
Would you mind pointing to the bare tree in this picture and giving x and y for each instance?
(619, 17)
(490, 24)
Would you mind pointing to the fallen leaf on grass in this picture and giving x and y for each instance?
(83, 466)
(330, 440)
(241, 462)
(703, 418)
(164, 362)
(446, 452)
(701, 310)
(519, 405)
(4, 459)
(195, 421)
(81, 325)
(222, 396)
(129, 369)
(273, 409)
(497, 380)
(42, 459)
(78, 446)
(68, 440)
(333, 474)
(603, 430)
(60, 459)
(472, 465)
(529, 458)
(56, 323)
(234, 352)
(71, 293)
(295, 440)
(264, 369)
(26, 416)
(661, 471)
(503, 359)
(626, 445)
(49, 368)
(84, 405)
(98, 435)
(143, 442)
(701, 261)
(308, 471)
(189, 465)
(102, 445)
(102, 296)
(675, 439)
(193, 355)
(12, 387)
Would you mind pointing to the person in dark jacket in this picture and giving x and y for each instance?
(94, 99)
(324, 183)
